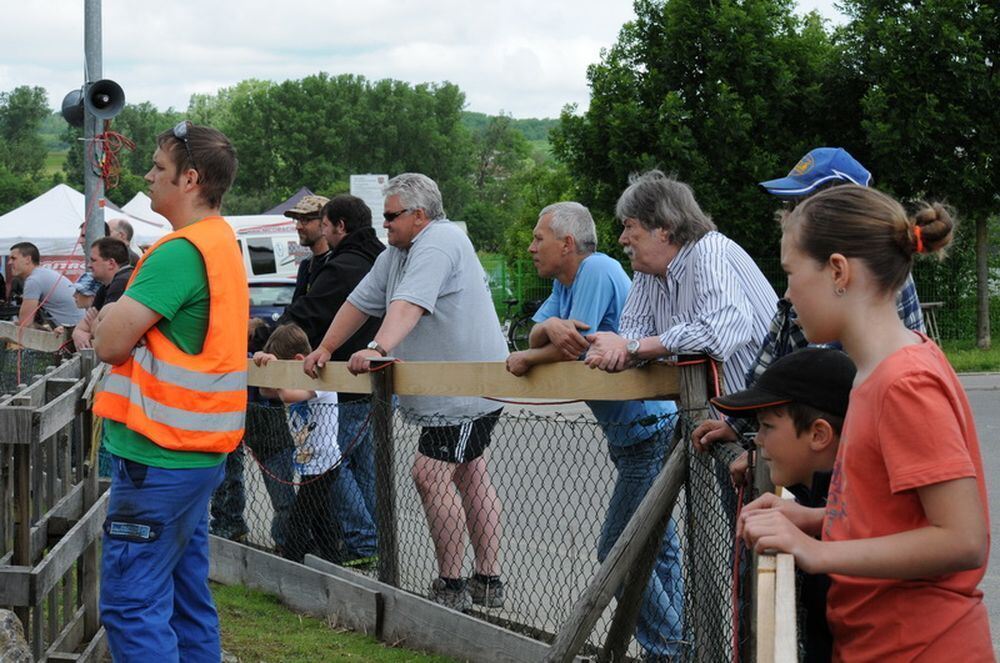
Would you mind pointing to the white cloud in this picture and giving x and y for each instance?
(525, 57)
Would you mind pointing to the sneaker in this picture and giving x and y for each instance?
(456, 599)
(484, 593)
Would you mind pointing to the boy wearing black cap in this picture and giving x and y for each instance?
(800, 402)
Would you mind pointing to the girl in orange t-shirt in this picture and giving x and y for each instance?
(905, 533)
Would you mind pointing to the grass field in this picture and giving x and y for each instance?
(54, 162)
(965, 357)
(257, 627)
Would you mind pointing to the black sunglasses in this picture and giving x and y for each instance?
(180, 132)
(391, 216)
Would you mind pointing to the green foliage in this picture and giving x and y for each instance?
(932, 106)
(722, 94)
(533, 129)
(22, 111)
(15, 190)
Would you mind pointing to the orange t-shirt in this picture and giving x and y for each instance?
(908, 425)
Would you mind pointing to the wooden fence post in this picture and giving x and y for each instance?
(385, 471)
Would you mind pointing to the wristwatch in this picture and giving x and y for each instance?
(632, 348)
(377, 348)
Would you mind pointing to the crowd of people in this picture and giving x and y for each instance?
(854, 408)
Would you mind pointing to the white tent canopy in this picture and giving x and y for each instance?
(141, 206)
(52, 223)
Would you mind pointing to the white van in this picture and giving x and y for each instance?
(268, 254)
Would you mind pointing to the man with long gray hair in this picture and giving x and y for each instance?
(434, 298)
(695, 290)
(588, 293)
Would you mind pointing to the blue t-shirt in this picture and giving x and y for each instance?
(596, 297)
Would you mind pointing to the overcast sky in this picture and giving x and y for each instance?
(525, 57)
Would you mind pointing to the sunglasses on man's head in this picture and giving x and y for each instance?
(180, 132)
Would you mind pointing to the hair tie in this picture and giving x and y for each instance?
(918, 233)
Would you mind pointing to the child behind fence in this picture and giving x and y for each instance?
(905, 533)
(312, 422)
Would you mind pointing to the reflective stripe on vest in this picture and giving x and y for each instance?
(182, 377)
(201, 422)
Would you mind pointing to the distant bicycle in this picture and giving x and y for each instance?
(516, 326)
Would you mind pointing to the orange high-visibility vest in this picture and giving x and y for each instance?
(190, 402)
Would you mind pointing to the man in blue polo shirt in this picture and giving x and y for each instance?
(588, 294)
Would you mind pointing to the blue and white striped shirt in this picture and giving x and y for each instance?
(712, 300)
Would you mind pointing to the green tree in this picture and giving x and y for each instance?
(722, 94)
(932, 107)
(22, 112)
(499, 153)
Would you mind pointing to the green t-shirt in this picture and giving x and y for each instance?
(173, 283)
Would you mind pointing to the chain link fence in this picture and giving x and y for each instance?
(540, 512)
(18, 366)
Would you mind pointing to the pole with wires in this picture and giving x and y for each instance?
(93, 184)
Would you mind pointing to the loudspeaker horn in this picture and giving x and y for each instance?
(104, 99)
(72, 108)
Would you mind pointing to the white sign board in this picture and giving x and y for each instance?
(369, 189)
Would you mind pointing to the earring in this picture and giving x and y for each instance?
(840, 292)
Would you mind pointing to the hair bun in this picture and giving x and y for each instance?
(932, 229)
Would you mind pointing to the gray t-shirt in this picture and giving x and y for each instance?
(57, 293)
(440, 273)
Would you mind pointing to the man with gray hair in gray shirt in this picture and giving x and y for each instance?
(434, 298)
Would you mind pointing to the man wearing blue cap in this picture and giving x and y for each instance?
(822, 168)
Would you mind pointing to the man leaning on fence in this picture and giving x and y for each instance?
(695, 291)
(352, 247)
(173, 405)
(435, 300)
(588, 293)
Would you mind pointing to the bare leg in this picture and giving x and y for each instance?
(482, 511)
(445, 517)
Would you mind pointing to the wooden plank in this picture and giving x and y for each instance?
(15, 586)
(33, 339)
(765, 608)
(68, 639)
(66, 511)
(301, 588)
(64, 554)
(658, 502)
(288, 374)
(60, 411)
(385, 477)
(97, 649)
(786, 646)
(16, 424)
(566, 380)
(414, 622)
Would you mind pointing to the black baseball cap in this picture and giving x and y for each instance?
(818, 377)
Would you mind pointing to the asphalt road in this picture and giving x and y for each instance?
(984, 395)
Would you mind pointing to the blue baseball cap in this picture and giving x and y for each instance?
(824, 164)
(87, 285)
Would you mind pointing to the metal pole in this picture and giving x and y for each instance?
(93, 185)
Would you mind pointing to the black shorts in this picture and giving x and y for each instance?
(460, 443)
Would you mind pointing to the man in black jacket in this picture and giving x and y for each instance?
(328, 279)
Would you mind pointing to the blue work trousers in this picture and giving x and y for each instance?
(155, 600)
(660, 627)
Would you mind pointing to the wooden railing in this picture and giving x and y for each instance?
(52, 508)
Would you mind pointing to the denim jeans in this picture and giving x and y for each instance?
(229, 500)
(352, 497)
(155, 601)
(278, 475)
(660, 627)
